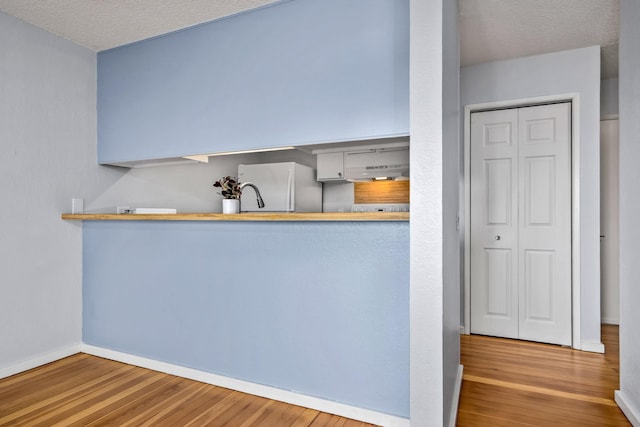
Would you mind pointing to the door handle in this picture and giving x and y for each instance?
(497, 237)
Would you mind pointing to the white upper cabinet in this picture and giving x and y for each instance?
(294, 73)
(330, 167)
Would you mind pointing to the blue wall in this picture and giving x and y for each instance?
(318, 308)
(294, 73)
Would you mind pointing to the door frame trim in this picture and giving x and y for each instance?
(574, 99)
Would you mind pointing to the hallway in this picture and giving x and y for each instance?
(519, 383)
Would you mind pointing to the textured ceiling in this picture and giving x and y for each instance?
(489, 29)
(103, 24)
(501, 29)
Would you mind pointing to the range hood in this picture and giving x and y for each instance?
(376, 163)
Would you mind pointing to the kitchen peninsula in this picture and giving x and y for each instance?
(317, 304)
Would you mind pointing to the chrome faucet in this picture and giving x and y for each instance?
(259, 197)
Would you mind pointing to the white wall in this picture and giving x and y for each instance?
(450, 197)
(629, 395)
(610, 221)
(47, 137)
(426, 116)
(608, 97)
(609, 200)
(574, 71)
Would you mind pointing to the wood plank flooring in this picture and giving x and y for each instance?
(506, 383)
(519, 383)
(84, 390)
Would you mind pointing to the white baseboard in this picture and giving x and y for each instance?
(456, 398)
(273, 393)
(630, 411)
(610, 320)
(592, 346)
(43, 359)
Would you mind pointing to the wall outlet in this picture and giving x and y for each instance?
(77, 206)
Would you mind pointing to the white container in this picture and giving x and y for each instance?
(230, 206)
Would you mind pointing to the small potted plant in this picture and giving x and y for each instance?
(230, 192)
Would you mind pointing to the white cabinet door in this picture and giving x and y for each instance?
(330, 167)
(521, 223)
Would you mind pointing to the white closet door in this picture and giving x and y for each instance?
(521, 223)
(545, 223)
(494, 223)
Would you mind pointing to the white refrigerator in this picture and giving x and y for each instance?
(284, 187)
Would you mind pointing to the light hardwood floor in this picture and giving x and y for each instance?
(84, 390)
(519, 383)
(506, 383)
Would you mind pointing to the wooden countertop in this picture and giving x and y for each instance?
(330, 216)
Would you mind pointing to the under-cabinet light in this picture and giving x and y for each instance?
(205, 157)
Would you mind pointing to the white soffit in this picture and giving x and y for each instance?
(103, 24)
(493, 30)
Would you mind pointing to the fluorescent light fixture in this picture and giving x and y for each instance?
(201, 157)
